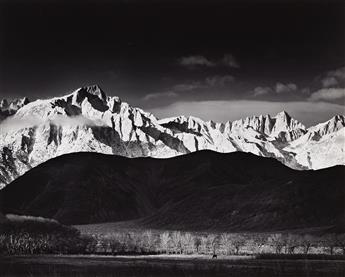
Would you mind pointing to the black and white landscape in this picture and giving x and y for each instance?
(87, 120)
(172, 138)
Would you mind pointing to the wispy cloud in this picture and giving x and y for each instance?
(227, 60)
(285, 88)
(188, 86)
(329, 82)
(329, 95)
(197, 60)
(17, 123)
(216, 81)
(219, 81)
(279, 88)
(334, 78)
(156, 95)
(258, 91)
(230, 60)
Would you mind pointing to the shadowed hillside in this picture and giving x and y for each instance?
(199, 191)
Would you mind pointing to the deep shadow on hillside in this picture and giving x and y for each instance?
(199, 191)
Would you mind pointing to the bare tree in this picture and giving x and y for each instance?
(204, 244)
(197, 243)
(148, 241)
(292, 242)
(340, 238)
(226, 243)
(115, 244)
(164, 241)
(307, 241)
(260, 241)
(187, 243)
(277, 242)
(238, 241)
(176, 239)
(330, 242)
(213, 242)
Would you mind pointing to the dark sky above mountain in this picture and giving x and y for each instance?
(172, 57)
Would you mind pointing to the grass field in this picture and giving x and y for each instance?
(162, 265)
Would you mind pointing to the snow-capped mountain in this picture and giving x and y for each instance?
(8, 108)
(88, 120)
(322, 146)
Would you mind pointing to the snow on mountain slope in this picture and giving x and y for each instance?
(322, 146)
(85, 120)
(281, 126)
(8, 108)
(89, 120)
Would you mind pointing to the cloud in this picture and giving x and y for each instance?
(197, 60)
(20, 218)
(309, 113)
(188, 87)
(279, 88)
(329, 95)
(219, 81)
(329, 82)
(16, 123)
(151, 96)
(285, 88)
(334, 78)
(228, 60)
(338, 73)
(258, 91)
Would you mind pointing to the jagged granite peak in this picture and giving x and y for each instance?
(284, 122)
(96, 90)
(13, 105)
(334, 124)
(87, 120)
(90, 92)
(322, 145)
(185, 124)
(280, 126)
(8, 108)
(3, 104)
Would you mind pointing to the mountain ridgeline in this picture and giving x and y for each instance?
(204, 190)
(87, 120)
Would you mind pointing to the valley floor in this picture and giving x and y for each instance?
(166, 265)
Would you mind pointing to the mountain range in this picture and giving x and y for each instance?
(203, 190)
(8, 108)
(87, 120)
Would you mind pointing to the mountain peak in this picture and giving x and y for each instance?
(88, 120)
(93, 93)
(95, 90)
(333, 125)
(10, 107)
(3, 104)
(287, 127)
(339, 117)
(284, 115)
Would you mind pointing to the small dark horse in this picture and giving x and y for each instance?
(214, 256)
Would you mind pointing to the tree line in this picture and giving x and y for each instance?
(32, 237)
(176, 242)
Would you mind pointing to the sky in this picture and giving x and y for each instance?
(218, 60)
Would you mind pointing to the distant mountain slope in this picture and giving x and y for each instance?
(8, 108)
(201, 190)
(322, 146)
(89, 120)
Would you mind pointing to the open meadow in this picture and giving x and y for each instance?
(163, 265)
